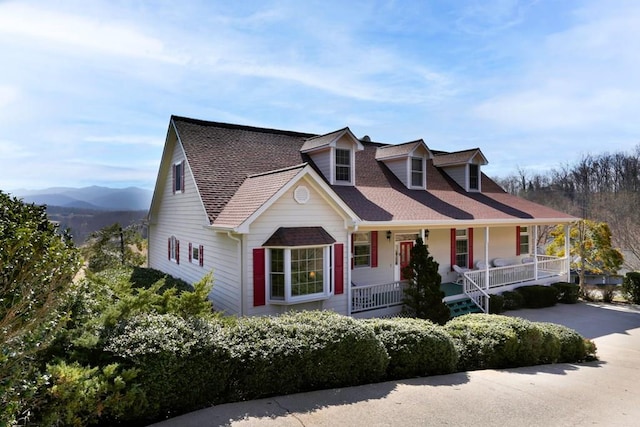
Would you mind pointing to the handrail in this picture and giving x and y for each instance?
(475, 293)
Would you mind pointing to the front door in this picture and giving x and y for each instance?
(405, 257)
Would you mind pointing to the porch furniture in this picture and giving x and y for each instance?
(460, 271)
(527, 260)
(481, 265)
(501, 262)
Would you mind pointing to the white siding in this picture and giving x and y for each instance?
(322, 160)
(399, 169)
(458, 174)
(285, 212)
(384, 272)
(182, 215)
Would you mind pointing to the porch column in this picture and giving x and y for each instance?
(535, 252)
(486, 257)
(567, 249)
(347, 267)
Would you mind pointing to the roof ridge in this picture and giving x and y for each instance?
(241, 127)
(298, 166)
(444, 153)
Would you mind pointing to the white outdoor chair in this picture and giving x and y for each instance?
(460, 271)
(481, 265)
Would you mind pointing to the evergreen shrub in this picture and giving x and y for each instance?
(512, 300)
(631, 287)
(496, 304)
(538, 296)
(568, 293)
(302, 351)
(416, 347)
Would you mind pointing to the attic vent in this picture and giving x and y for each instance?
(366, 138)
(301, 194)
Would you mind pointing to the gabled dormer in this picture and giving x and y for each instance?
(463, 167)
(408, 162)
(335, 155)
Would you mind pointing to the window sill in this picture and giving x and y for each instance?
(301, 300)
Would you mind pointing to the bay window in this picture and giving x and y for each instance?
(299, 274)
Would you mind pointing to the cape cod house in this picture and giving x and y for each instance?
(290, 220)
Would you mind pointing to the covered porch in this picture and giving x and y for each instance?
(506, 268)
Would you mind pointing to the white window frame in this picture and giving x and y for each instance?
(525, 236)
(477, 176)
(173, 253)
(361, 240)
(336, 165)
(289, 298)
(195, 253)
(178, 177)
(462, 236)
(422, 172)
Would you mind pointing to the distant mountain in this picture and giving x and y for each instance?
(94, 197)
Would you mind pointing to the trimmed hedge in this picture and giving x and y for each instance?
(496, 304)
(302, 351)
(183, 365)
(416, 347)
(568, 293)
(492, 341)
(512, 300)
(538, 296)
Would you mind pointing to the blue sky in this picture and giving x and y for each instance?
(87, 87)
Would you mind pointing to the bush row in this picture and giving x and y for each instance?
(535, 296)
(167, 365)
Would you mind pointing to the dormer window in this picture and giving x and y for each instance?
(343, 165)
(417, 172)
(474, 177)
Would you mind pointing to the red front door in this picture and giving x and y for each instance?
(405, 257)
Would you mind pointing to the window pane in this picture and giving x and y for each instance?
(416, 172)
(361, 249)
(307, 272)
(343, 165)
(474, 176)
(277, 274)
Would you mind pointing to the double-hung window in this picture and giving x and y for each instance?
(299, 274)
(474, 177)
(174, 249)
(524, 240)
(343, 165)
(417, 172)
(462, 248)
(362, 249)
(178, 177)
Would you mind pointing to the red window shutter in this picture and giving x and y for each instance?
(470, 245)
(169, 248)
(374, 249)
(182, 177)
(453, 248)
(338, 249)
(177, 251)
(517, 240)
(259, 276)
(201, 250)
(190, 251)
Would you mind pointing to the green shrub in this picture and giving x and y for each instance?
(493, 341)
(496, 304)
(631, 287)
(512, 300)
(302, 351)
(608, 292)
(572, 346)
(77, 395)
(183, 363)
(568, 293)
(416, 347)
(141, 277)
(538, 296)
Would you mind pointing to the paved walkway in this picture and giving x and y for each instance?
(601, 393)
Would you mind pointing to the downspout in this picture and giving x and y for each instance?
(239, 257)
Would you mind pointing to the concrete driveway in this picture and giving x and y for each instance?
(605, 392)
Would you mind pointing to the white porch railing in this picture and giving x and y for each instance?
(547, 266)
(373, 297)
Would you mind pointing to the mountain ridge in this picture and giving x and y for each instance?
(92, 197)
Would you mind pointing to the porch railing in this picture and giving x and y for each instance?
(372, 297)
(478, 295)
(500, 276)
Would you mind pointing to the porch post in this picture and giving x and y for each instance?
(535, 252)
(347, 267)
(486, 257)
(567, 249)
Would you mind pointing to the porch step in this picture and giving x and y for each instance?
(462, 306)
